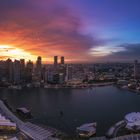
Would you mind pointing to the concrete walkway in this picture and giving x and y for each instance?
(33, 131)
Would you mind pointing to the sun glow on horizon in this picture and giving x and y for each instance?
(8, 51)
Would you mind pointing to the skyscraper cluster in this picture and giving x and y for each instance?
(21, 72)
(16, 71)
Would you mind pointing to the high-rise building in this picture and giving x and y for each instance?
(39, 63)
(61, 78)
(50, 73)
(28, 71)
(22, 64)
(38, 70)
(16, 71)
(136, 69)
(69, 72)
(29, 65)
(55, 60)
(62, 60)
(9, 69)
(22, 69)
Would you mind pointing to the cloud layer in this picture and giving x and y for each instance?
(130, 52)
(45, 31)
(49, 28)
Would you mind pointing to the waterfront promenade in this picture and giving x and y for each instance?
(31, 130)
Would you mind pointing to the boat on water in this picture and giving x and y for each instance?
(87, 130)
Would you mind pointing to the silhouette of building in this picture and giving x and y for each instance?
(16, 71)
(62, 60)
(9, 70)
(22, 69)
(136, 69)
(28, 71)
(39, 64)
(69, 72)
(22, 64)
(55, 60)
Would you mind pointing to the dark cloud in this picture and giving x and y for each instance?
(131, 52)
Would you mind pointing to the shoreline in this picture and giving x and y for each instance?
(127, 89)
(82, 86)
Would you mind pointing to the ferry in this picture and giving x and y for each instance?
(87, 130)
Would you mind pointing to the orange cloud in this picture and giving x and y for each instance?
(43, 31)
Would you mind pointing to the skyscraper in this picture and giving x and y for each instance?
(22, 69)
(9, 69)
(22, 64)
(136, 69)
(55, 60)
(16, 71)
(69, 72)
(28, 71)
(62, 60)
(39, 63)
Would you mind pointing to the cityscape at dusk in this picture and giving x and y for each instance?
(69, 69)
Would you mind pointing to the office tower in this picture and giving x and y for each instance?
(9, 69)
(30, 65)
(136, 69)
(62, 60)
(69, 72)
(55, 60)
(16, 71)
(39, 63)
(56, 78)
(38, 70)
(22, 69)
(61, 78)
(50, 73)
(43, 74)
(28, 71)
(22, 64)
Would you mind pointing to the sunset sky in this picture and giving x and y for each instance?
(80, 30)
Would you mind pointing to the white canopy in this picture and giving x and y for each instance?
(133, 120)
(87, 127)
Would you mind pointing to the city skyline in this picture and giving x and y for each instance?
(81, 30)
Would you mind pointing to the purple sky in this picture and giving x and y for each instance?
(81, 30)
